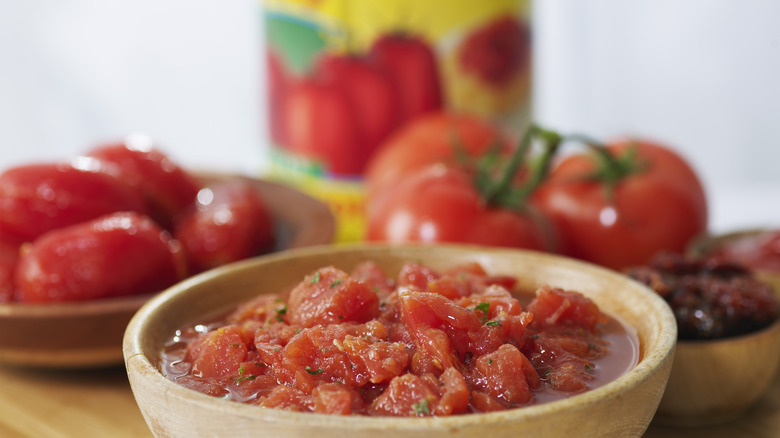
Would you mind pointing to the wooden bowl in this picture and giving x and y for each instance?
(89, 334)
(621, 408)
(716, 381)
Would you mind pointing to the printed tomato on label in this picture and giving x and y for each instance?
(37, 198)
(413, 67)
(483, 204)
(624, 203)
(114, 255)
(229, 221)
(167, 187)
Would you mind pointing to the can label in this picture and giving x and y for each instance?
(344, 75)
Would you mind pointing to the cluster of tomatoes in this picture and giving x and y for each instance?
(122, 219)
(339, 112)
(456, 178)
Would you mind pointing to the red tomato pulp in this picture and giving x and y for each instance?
(423, 343)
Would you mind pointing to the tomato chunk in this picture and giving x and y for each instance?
(330, 296)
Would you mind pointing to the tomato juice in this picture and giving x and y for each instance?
(343, 76)
(422, 343)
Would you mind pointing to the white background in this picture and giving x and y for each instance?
(701, 75)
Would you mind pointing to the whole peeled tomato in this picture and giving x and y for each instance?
(230, 221)
(371, 93)
(433, 138)
(320, 124)
(412, 64)
(37, 198)
(9, 257)
(441, 204)
(167, 187)
(620, 209)
(115, 255)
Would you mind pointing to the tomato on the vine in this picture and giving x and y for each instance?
(437, 137)
(479, 201)
(442, 204)
(619, 207)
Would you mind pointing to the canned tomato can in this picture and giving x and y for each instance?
(343, 75)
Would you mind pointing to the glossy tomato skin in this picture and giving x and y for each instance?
(412, 66)
(432, 138)
(37, 198)
(659, 208)
(114, 255)
(371, 93)
(230, 221)
(440, 204)
(9, 257)
(167, 187)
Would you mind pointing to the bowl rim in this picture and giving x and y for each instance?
(17, 309)
(646, 367)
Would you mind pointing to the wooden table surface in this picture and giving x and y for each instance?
(86, 404)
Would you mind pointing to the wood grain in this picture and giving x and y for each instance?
(99, 404)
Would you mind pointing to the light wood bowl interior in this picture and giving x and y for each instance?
(622, 408)
(89, 334)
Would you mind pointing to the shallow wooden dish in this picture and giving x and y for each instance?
(89, 334)
(716, 381)
(622, 408)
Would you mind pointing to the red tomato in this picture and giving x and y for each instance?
(166, 186)
(661, 206)
(412, 65)
(38, 198)
(230, 221)
(441, 204)
(9, 257)
(370, 91)
(277, 88)
(320, 125)
(497, 51)
(432, 138)
(114, 255)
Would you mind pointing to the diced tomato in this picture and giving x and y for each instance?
(558, 307)
(454, 393)
(507, 375)
(288, 399)
(219, 353)
(416, 275)
(407, 395)
(338, 399)
(330, 296)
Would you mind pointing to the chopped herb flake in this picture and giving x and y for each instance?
(336, 283)
(314, 372)
(315, 278)
(421, 408)
(494, 323)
